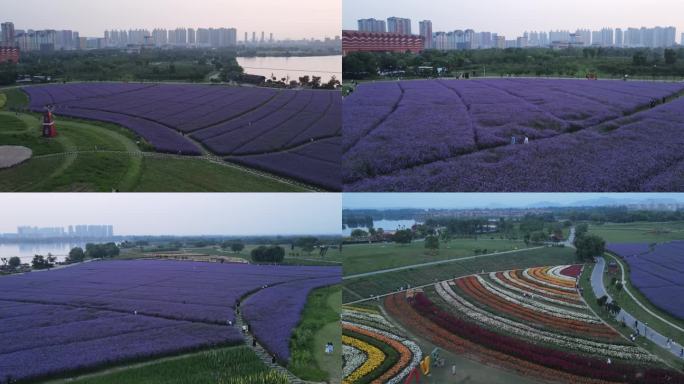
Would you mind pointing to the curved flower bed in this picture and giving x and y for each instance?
(353, 359)
(375, 327)
(525, 331)
(375, 357)
(476, 293)
(496, 277)
(512, 278)
(555, 359)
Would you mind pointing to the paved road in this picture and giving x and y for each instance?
(600, 290)
(433, 263)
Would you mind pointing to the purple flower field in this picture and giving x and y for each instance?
(84, 317)
(273, 313)
(658, 273)
(231, 122)
(455, 135)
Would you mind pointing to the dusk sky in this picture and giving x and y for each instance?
(512, 18)
(286, 19)
(485, 200)
(240, 214)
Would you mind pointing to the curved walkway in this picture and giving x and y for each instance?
(600, 290)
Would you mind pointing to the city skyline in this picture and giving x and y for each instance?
(488, 200)
(526, 15)
(259, 15)
(239, 214)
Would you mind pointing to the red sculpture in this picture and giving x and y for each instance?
(49, 129)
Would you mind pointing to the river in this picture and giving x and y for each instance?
(386, 225)
(26, 251)
(294, 67)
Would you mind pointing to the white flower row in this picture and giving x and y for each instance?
(568, 295)
(352, 359)
(375, 320)
(537, 306)
(525, 331)
(556, 272)
(546, 283)
(416, 354)
(510, 287)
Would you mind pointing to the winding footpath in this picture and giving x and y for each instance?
(600, 290)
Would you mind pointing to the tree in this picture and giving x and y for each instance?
(76, 255)
(359, 233)
(97, 251)
(581, 229)
(237, 247)
(670, 56)
(537, 237)
(403, 236)
(639, 59)
(589, 246)
(432, 243)
(14, 262)
(271, 254)
(601, 301)
(41, 262)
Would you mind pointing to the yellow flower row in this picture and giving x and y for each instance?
(375, 358)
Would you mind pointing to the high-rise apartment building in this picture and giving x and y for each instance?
(7, 35)
(192, 37)
(619, 38)
(372, 25)
(399, 25)
(426, 32)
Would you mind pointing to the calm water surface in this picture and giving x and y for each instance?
(294, 67)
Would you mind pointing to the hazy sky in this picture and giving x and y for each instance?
(512, 18)
(286, 19)
(483, 200)
(178, 214)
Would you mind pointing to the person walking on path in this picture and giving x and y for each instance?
(512, 140)
(527, 140)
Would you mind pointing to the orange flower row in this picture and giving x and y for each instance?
(518, 277)
(542, 273)
(546, 292)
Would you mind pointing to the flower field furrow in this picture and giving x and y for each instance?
(538, 306)
(514, 280)
(230, 121)
(104, 313)
(532, 275)
(353, 358)
(478, 294)
(509, 287)
(530, 333)
(584, 129)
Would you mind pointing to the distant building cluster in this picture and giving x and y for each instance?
(179, 37)
(657, 37)
(74, 231)
(135, 39)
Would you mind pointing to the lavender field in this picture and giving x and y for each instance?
(102, 313)
(657, 272)
(455, 135)
(273, 130)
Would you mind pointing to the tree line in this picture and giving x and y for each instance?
(573, 62)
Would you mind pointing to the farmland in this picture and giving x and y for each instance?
(453, 135)
(291, 134)
(123, 312)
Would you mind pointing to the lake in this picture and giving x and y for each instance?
(294, 67)
(26, 251)
(387, 225)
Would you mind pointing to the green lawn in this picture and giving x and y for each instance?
(639, 232)
(590, 298)
(104, 172)
(234, 365)
(361, 258)
(188, 175)
(364, 287)
(320, 323)
(16, 98)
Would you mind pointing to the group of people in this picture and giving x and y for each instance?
(514, 140)
(329, 348)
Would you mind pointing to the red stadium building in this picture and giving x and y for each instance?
(8, 54)
(354, 41)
